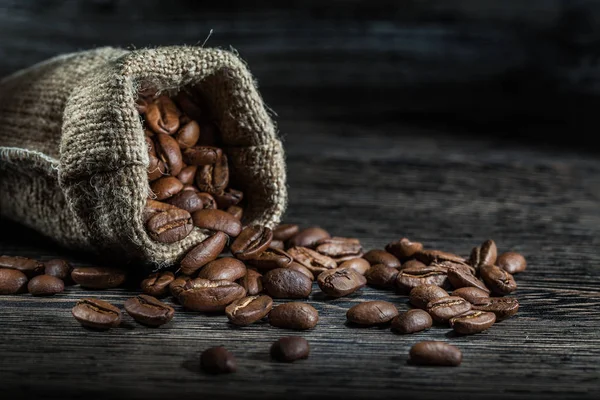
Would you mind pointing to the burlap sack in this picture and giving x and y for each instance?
(72, 153)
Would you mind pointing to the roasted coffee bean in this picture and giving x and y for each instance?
(302, 269)
(148, 310)
(12, 281)
(411, 264)
(410, 278)
(459, 278)
(58, 268)
(472, 322)
(170, 226)
(308, 237)
(150, 145)
(166, 187)
(294, 315)
(227, 198)
(271, 259)
(217, 360)
(497, 279)
(284, 232)
(252, 282)
(208, 201)
(471, 293)
(213, 178)
(202, 155)
(312, 260)
(484, 255)
(96, 313)
(191, 188)
(249, 309)
(412, 321)
(377, 256)
(157, 284)
(226, 269)
(154, 207)
(512, 262)
(203, 253)
(156, 168)
(45, 285)
(277, 244)
(381, 276)
(178, 285)
(188, 135)
(168, 151)
(340, 282)
(444, 308)
(187, 200)
(251, 242)
(238, 212)
(435, 353)
(290, 349)
(466, 268)
(360, 265)
(162, 116)
(339, 247)
(209, 296)
(372, 313)
(502, 307)
(98, 277)
(26, 265)
(285, 283)
(403, 249)
(217, 220)
(421, 295)
(187, 175)
(430, 256)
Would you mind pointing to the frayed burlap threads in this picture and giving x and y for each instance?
(95, 166)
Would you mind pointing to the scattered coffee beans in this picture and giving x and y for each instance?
(249, 309)
(421, 295)
(252, 282)
(251, 242)
(97, 314)
(12, 281)
(148, 310)
(360, 265)
(285, 283)
(472, 322)
(444, 308)
(217, 360)
(435, 353)
(502, 307)
(378, 256)
(403, 249)
(372, 313)
(226, 268)
(381, 276)
(294, 315)
(484, 255)
(497, 279)
(27, 266)
(290, 349)
(45, 285)
(308, 237)
(209, 296)
(412, 321)
(58, 268)
(470, 294)
(157, 284)
(98, 277)
(512, 262)
(410, 278)
(340, 282)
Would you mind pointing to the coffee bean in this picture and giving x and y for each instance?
(466, 268)
(187, 200)
(290, 349)
(377, 256)
(217, 220)
(154, 207)
(27, 266)
(202, 155)
(178, 285)
(340, 282)
(188, 135)
(156, 168)
(229, 197)
(372, 313)
(470, 293)
(472, 322)
(435, 353)
(98, 277)
(359, 265)
(312, 260)
(497, 279)
(58, 268)
(410, 278)
(45, 285)
(302, 269)
(444, 308)
(157, 284)
(225, 268)
(271, 259)
(166, 187)
(168, 151)
(209, 296)
(308, 237)
(12, 281)
(170, 226)
(421, 295)
(411, 264)
(187, 175)
(249, 309)
(213, 178)
(339, 247)
(251, 242)
(285, 283)
(502, 307)
(203, 253)
(277, 244)
(381, 276)
(217, 360)
(252, 282)
(412, 321)
(162, 115)
(294, 315)
(148, 310)
(460, 278)
(96, 313)
(208, 201)
(237, 212)
(430, 256)
(403, 249)
(484, 254)
(284, 232)
(512, 262)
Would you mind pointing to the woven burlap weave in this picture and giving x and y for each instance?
(73, 157)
